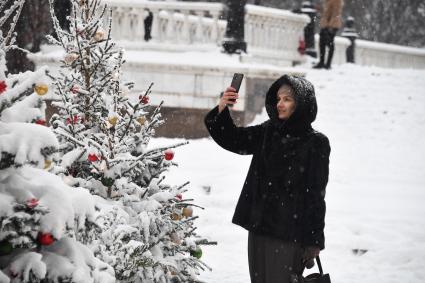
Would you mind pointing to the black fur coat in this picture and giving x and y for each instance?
(283, 194)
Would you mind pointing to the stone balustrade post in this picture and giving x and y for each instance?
(185, 36)
(125, 22)
(137, 22)
(171, 35)
(350, 32)
(215, 29)
(116, 26)
(155, 24)
(199, 26)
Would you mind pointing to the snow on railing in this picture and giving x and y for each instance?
(388, 55)
(274, 33)
(183, 25)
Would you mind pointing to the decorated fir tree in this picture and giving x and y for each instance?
(40, 216)
(104, 133)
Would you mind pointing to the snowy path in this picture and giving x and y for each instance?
(375, 120)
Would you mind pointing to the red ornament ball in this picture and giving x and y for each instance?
(75, 89)
(179, 196)
(31, 203)
(3, 86)
(93, 157)
(45, 239)
(73, 121)
(144, 99)
(40, 122)
(169, 154)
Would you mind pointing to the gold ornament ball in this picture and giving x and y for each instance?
(175, 238)
(187, 212)
(99, 35)
(115, 76)
(124, 92)
(47, 163)
(41, 89)
(176, 216)
(70, 58)
(141, 120)
(113, 120)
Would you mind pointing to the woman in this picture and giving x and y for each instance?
(282, 200)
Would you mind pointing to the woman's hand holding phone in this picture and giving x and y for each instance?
(231, 93)
(228, 98)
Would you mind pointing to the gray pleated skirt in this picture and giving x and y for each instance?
(272, 260)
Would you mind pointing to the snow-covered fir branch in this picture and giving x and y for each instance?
(14, 10)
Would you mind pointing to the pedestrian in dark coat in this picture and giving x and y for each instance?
(282, 200)
(330, 22)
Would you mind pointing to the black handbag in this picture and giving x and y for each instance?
(314, 277)
(318, 277)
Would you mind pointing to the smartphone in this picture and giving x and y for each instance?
(236, 83)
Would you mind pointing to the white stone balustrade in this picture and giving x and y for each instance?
(274, 34)
(388, 55)
(176, 25)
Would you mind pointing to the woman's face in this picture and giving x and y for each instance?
(285, 102)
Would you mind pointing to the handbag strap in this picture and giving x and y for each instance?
(319, 264)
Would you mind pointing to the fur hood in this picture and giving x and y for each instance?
(305, 99)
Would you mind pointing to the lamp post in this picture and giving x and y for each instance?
(234, 38)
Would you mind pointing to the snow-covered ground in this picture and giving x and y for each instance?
(375, 120)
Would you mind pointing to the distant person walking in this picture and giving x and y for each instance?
(282, 203)
(330, 22)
